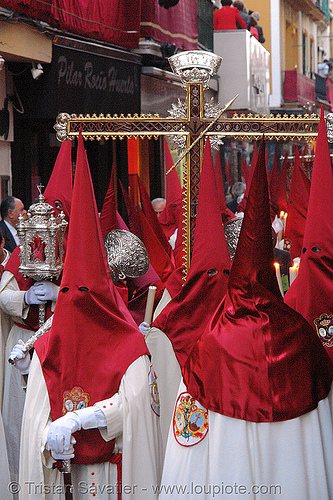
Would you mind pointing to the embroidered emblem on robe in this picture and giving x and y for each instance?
(324, 327)
(74, 399)
(190, 421)
(154, 394)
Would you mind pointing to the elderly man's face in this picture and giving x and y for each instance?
(159, 207)
(14, 214)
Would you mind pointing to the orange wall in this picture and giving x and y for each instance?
(263, 7)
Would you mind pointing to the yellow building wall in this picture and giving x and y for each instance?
(263, 7)
(290, 32)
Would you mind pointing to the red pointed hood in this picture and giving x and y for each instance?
(311, 292)
(320, 200)
(93, 338)
(60, 185)
(257, 359)
(227, 214)
(184, 318)
(274, 184)
(152, 218)
(176, 280)
(133, 218)
(242, 204)
(245, 170)
(140, 226)
(108, 217)
(282, 189)
(179, 250)
(136, 289)
(227, 172)
(158, 257)
(297, 208)
(169, 218)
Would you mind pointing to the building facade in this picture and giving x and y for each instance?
(298, 37)
(65, 59)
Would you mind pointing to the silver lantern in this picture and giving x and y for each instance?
(41, 236)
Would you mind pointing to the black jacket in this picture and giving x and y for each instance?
(10, 243)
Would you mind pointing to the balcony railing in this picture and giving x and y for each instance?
(323, 6)
(301, 90)
(298, 88)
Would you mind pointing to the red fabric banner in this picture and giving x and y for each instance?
(177, 25)
(116, 22)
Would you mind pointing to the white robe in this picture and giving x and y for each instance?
(5, 325)
(13, 308)
(4, 469)
(130, 419)
(290, 460)
(166, 367)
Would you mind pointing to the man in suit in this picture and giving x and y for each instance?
(10, 209)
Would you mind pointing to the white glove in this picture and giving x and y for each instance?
(60, 440)
(24, 360)
(46, 290)
(277, 225)
(144, 328)
(31, 298)
(65, 455)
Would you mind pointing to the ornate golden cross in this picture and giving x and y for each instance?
(190, 123)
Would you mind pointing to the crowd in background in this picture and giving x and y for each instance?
(235, 15)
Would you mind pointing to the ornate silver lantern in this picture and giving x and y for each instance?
(41, 236)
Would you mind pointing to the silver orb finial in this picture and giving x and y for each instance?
(195, 66)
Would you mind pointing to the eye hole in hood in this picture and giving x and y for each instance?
(212, 272)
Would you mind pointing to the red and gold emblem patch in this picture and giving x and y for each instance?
(75, 400)
(190, 421)
(324, 327)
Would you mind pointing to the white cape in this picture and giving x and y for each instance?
(290, 460)
(130, 419)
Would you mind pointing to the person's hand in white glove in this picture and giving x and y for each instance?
(66, 454)
(31, 298)
(23, 360)
(60, 440)
(46, 290)
(144, 328)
